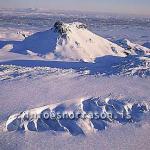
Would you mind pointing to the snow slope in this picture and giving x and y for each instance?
(71, 41)
(147, 44)
(31, 85)
(17, 66)
(11, 34)
(54, 91)
(132, 48)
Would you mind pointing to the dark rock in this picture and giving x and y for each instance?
(60, 27)
(82, 26)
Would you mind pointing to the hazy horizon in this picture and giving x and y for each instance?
(136, 7)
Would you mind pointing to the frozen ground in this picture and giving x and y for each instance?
(31, 84)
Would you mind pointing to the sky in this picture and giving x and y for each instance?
(141, 7)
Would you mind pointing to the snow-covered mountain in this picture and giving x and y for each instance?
(71, 41)
(132, 48)
(105, 104)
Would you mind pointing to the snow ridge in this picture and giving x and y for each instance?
(111, 111)
(132, 48)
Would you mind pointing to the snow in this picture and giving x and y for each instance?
(147, 44)
(72, 69)
(113, 110)
(76, 43)
(11, 34)
(75, 88)
(134, 49)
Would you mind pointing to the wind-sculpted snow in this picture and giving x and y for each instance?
(132, 48)
(133, 66)
(105, 66)
(78, 117)
(11, 72)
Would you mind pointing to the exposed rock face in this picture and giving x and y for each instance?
(60, 27)
(63, 28)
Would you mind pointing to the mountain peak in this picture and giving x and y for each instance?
(62, 27)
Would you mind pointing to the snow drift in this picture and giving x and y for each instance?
(109, 110)
(132, 48)
(132, 66)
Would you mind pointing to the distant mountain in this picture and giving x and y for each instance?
(132, 48)
(71, 41)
